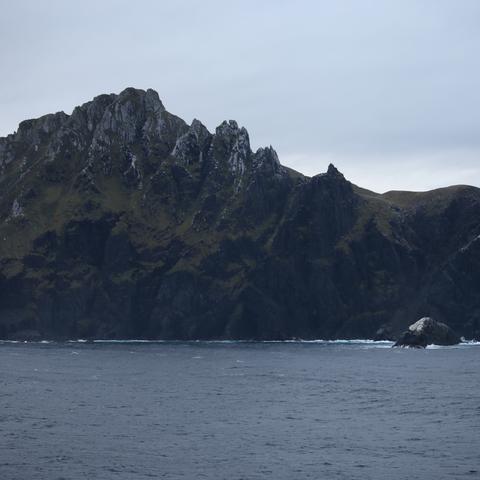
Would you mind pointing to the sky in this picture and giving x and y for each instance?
(387, 90)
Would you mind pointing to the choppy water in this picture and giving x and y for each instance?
(238, 411)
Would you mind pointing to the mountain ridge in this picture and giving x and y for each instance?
(121, 220)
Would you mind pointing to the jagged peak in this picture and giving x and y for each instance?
(149, 98)
(266, 154)
(230, 132)
(267, 150)
(227, 127)
(189, 146)
(199, 129)
(266, 159)
(103, 98)
(332, 170)
(230, 127)
(48, 123)
(331, 173)
(332, 177)
(197, 123)
(152, 101)
(131, 92)
(45, 124)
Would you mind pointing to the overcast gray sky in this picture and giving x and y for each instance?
(387, 90)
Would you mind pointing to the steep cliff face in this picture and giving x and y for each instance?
(121, 220)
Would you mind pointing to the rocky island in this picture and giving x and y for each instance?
(427, 331)
(123, 221)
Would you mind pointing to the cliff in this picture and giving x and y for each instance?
(122, 221)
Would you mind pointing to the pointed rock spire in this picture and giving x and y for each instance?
(332, 170)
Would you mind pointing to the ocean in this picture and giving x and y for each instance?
(238, 410)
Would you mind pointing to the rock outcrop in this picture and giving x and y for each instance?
(427, 331)
(121, 220)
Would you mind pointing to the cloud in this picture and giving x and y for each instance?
(378, 84)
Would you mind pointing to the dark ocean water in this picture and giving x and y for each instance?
(238, 411)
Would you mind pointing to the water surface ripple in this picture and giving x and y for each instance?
(238, 411)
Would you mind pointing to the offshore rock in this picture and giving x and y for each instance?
(427, 331)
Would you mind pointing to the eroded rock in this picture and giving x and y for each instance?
(427, 331)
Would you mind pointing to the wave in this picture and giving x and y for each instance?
(466, 343)
(357, 341)
(316, 341)
(469, 342)
(141, 341)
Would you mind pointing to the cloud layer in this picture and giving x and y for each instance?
(386, 90)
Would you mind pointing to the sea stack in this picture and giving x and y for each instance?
(427, 331)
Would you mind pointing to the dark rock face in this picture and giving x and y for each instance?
(121, 220)
(427, 331)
